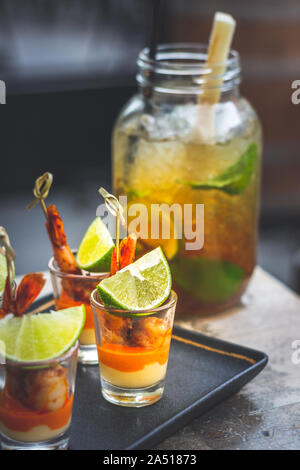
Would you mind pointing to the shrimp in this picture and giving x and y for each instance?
(38, 389)
(115, 329)
(8, 302)
(18, 302)
(150, 332)
(62, 253)
(127, 253)
(65, 259)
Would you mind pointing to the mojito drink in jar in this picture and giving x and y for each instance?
(170, 147)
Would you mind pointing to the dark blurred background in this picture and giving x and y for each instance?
(69, 66)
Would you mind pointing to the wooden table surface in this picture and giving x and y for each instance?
(265, 414)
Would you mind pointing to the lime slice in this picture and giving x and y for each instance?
(143, 285)
(94, 252)
(42, 336)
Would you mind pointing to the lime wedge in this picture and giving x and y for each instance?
(143, 285)
(95, 249)
(42, 336)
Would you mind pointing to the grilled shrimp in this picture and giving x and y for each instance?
(28, 290)
(151, 332)
(38, 389)
(62, 253)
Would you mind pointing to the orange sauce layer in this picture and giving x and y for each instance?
(18, 418)
(131, 359)
(65, 301)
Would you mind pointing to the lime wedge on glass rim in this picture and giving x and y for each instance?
(42, 336)
(95, 250)
(143, 285)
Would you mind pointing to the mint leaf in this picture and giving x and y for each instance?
(138, 193)
(208, 280)
(235, 179)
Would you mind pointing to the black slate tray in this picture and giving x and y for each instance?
(202, 372)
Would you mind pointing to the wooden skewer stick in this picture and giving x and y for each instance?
(10, 255)
(41, 190)
(115, 208)
(218, 51)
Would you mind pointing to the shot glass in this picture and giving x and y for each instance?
(36, 402)
(133, 351)
(70, 290)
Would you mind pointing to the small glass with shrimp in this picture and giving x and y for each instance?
(36, 394)
(133, 349)
(36, 402)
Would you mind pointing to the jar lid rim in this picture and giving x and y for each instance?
(184, 58)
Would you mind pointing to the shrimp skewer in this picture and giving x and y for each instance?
(55, 227)
(28, 290)
(17, 301)
(64, 257)
(62, 253)
(127, 254)
(42, 390)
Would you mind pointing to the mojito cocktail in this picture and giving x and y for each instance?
(169, 149)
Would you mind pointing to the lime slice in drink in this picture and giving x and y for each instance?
(94, 252)
(42, 336)
(143, 285)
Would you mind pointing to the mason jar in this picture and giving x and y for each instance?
(189, 145)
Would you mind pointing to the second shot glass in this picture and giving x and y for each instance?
(133, 349)
(71, 290)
